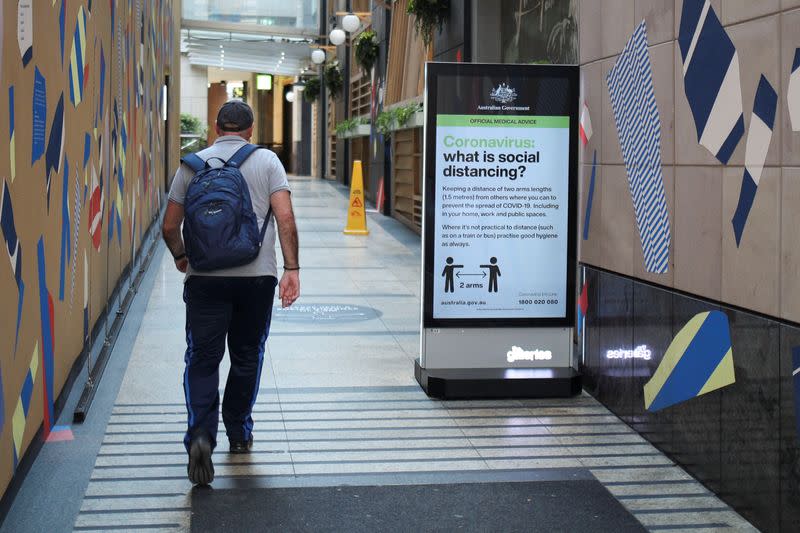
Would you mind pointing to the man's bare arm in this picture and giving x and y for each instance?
(171, 231)
(287, 230)
(289, 287)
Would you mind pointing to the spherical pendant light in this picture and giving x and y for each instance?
(350, 23)
(290, 96)
(318, 56)
(337, 36)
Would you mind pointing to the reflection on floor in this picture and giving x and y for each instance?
(339, 404)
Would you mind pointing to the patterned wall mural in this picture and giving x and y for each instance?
(711, 78)
(630, 85)
(699, 360)
(82, 112)
(710, 74)
(703, 357)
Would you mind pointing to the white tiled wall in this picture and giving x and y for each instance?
(194, 90)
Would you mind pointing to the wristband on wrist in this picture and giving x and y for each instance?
(291, 268)
(179, 257)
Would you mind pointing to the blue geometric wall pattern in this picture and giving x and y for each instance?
(711, 79)
(20, 416)
(590, 199)
(62, 21)
(630, 84)
(78, 61)
(699, 360)
(12, 139)
(38, 117)
(76, 219)
(14, 250)
(796, 383)
(66, 248)
(759, 136)
(793, 92)
(55, 146)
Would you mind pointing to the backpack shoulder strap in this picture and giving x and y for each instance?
(265, 224)
(236, 161)
(194, 162)
(241, 155)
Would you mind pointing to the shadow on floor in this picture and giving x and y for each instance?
(582, 505)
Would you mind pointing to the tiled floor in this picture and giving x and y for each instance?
(339, 403)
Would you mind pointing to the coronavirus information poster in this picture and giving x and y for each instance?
(501, 236)
(500, 194)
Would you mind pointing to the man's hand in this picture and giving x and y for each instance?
(182, 264)
(289, 287)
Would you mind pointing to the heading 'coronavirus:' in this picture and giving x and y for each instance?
(451, 141)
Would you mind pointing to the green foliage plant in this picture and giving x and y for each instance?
(191, 124)
(311, 92)
(383, 122)
(333, 78)
(406, 112)
(366, 49)
(395, 118)
(428, 15)
(345, 126)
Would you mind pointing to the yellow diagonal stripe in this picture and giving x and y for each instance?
(34, 367)
(12, 149)
(723, 375)
(674, 353)
(82, 31)
(76, 76)
(18, 424)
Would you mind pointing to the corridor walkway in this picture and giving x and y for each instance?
(339, 405)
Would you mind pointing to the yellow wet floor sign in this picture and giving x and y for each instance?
(356, 215)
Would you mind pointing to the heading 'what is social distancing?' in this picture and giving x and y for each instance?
(516, 164)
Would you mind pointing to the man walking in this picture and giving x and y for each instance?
(231, 303)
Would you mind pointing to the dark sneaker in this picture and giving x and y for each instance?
(201, 469)
(241, 446)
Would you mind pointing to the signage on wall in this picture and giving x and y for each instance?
(499, 186)
(499, 231)
(264, 82)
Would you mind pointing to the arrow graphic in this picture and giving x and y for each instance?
(459, 274)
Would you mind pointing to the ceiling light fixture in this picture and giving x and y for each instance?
(337, 36)
(351, 22)
(318, 56)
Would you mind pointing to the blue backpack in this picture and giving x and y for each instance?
(220, 228)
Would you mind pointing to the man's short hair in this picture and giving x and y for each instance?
(234, 116)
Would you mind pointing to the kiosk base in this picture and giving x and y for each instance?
(475, 383)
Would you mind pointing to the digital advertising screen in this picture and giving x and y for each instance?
(500, 195)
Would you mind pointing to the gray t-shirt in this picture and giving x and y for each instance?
(264, 175)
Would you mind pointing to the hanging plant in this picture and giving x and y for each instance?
(428, 15)
(333, 78)
(366, 48)
(311, 92)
